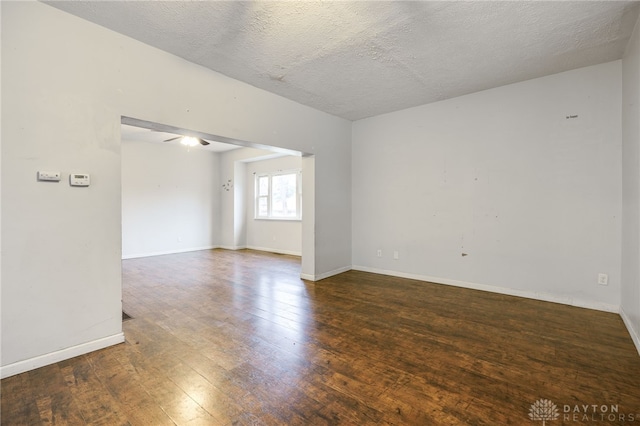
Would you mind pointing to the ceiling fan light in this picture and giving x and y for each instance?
(189, 141)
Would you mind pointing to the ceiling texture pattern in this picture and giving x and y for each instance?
(356, 59)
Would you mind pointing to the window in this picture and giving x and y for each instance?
(278, 195)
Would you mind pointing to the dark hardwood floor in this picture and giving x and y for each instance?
(223, 338)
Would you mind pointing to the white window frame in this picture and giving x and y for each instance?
(257, 196)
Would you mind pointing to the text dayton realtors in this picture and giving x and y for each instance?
(581, 413)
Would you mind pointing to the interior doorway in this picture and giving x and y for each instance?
(179, 203)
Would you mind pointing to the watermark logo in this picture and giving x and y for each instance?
(543, 410)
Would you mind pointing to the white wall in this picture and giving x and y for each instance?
(238, 227)
(631, 186)
(170, 199)
(532, 198)
(65, 85)
(233, 216)
(279, 236)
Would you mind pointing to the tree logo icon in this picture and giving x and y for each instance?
(543, 409)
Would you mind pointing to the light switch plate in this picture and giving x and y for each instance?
(48, 176)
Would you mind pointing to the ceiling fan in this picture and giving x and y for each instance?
(189, 140)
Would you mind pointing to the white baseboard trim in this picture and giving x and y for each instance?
(275, 250)
(53, 357)
(635, 336)
(232, 247)
(324, 275)
(160, 253)
(494, 289)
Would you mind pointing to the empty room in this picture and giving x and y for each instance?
(327, 213)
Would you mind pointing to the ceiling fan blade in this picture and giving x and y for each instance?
(203, 142)
(173, 139)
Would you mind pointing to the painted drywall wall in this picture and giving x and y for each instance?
(630, 309)
(66, 84)
(239, 206)
(279, 236)
(170, 199)
(514, 189)
(308, 220)
(233, 226)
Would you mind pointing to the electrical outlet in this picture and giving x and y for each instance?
(396, 255)
(603, 279)
(379, 253)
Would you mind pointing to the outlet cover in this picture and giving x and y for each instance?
(603, 279)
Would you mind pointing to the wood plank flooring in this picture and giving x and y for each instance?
(236, 338)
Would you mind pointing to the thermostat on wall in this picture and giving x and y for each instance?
(77, 179)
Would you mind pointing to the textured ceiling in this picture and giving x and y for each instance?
(363, 58)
